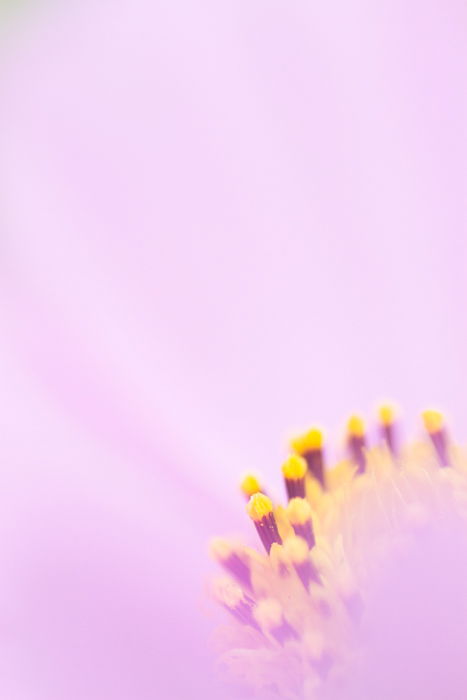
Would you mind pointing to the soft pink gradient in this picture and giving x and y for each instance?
(220, 220)
(415, 627)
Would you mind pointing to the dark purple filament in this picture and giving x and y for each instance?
(315, 462)
(306, 573)
(243, 612)
(440, 443)
(295, 488)
(357, 452)
(389, 437)
(239, 569)
(268, 532)
(305, 530)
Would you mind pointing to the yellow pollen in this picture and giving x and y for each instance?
(433, 420)
(386, 414)
(250, 485)
(296, 549)
(277, 556)
(268, 613)
(298, 511)
(298, 605)
(356, 426)
(311, 440)
(294, 468)
(259, 506)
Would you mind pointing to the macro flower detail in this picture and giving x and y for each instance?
(297, 608)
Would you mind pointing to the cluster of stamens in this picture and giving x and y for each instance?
(297, 607)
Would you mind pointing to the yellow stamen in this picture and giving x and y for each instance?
(386, 414)
(298, 511)
(356, 426)
(278, 558)
(259, 506)
(296, 549)
(307, 442)
(433, 420)
(301, 603)
(250, 485)
(294, 468)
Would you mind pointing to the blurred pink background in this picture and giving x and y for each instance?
(220, 221)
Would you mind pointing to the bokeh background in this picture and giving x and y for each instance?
(219, 221)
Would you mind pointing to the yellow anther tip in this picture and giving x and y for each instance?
(259, 506)
(276, 550)
(277, 555)
(296, 549)
(298, 511)
(386, 414)
(294, 468)
(311, 440)
(356, 426)
(433, 420)
(250, 485)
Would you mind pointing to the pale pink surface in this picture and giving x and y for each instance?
(220, 220)
(415, 627)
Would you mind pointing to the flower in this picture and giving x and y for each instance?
(202, 205)
(299, 611)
